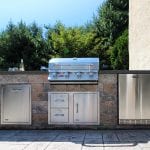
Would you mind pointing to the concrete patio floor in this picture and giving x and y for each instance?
(74, 139)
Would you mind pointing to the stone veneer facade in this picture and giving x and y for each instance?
(107, 87)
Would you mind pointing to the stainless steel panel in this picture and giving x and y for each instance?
(134, 97)
(127, 96)
(85, 107)
(59, 100)
(144, 95)
(16, 104)
(59, 115)
(74, 67)
(73, 76)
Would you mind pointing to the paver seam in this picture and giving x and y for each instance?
(26, 146)
(117, 137)
(51, 141)
(83, 140)
(103, 140)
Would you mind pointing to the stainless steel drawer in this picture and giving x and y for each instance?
(59, 100)
(59, 115)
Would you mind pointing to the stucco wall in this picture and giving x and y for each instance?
(139, 35)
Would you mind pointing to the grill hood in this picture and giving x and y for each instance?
(73, 69)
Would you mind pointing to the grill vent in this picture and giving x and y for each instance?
(134, 121)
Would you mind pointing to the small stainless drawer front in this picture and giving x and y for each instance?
(59, 100)
(59, 115)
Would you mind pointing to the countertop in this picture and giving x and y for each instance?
(100, 72)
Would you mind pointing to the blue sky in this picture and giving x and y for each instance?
(69, 12)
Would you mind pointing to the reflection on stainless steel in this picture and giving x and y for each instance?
(134, 97)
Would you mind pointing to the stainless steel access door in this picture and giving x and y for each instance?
(127, 96)
(16, 104)
(134, 96)
(86, 107)
(144, 96)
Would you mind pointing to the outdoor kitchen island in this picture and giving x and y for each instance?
(37, 109)
(74, 107)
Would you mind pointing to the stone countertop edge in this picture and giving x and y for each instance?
(22, 72)
(100, 72)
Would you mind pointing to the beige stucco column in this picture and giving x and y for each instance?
(139, 35)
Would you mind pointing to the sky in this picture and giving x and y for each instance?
(47, 12)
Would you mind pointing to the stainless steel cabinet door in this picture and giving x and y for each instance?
(16, 104)
(85, 107)
(134, 96)
(127, 96)
(144, 95)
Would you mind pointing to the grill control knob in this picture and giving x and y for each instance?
(54, 75)
(91, 74)
(78, 74)
(66, 74)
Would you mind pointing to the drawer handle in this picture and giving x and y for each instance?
(16, 90)
(59, 100)
(77, 108)
(59, 115)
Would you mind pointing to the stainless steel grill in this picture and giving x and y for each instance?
(73, 69)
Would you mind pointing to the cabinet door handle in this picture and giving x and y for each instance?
(77, 108)
(135, 76)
